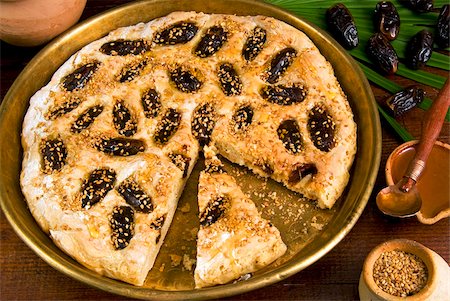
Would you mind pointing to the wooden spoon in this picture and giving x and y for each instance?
(403, 198)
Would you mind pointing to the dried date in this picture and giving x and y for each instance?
(382, 53)
(80, 77)
(131, 71)
(387, 19)
(242, 118)
(215, 209)
(151, 103)
(86, 119)
(185, 81)
(96, 186)
(341, 25)
(54, 155)
(125, 47)
(123, 147)
(203, 122)
(302, 171)
(229, 80)
(122, 226)
(405, 100)
(135, 196)
(123, 120)
(419, 49)
(281, 61)
(181, 161)
(420, 6)
(178, 33)
(254, 43)
(321, 128)
(211, 42)
(167, 126)
(284, 95)
(289, 133)
(442, 27)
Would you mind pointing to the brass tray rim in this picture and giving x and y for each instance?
(78, 272)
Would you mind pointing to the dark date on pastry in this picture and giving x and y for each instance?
(289, 134)
(54, 155)
(122, 226)
(167, 126)
(135, 196)
(215, 209)
(279, 64)
(254, 43)
(96, 186)
(242, 118)
(321, 128)
(86, 118)
(178, 33)
(80, 77)
(125, 47)
(122, 147)
(211, 42)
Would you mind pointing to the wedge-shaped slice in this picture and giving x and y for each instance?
(120, 235)
(231, 230)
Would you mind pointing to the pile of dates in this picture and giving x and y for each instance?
(379, 49)
(387, 25)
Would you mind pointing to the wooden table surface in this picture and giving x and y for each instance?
(24, 276)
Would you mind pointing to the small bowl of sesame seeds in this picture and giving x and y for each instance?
(402, 269)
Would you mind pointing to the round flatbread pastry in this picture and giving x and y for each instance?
(110, 141)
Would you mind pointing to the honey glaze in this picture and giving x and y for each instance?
(434, 184)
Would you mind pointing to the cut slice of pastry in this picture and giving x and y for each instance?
(120, 235)
(231, 229)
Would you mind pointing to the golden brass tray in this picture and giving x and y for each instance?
(308, 231)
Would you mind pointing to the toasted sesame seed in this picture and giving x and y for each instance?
(400, 273)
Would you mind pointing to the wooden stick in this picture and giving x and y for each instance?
(431, 128)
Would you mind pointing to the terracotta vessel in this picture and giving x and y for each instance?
(436, 288)
(434, 184)
(34, 22)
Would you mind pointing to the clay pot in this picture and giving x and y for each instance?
(34, 22)
(435, 206)
(436, 288)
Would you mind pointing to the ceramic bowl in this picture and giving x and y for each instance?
(431, 211)
(436, 288)
(34, 22)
